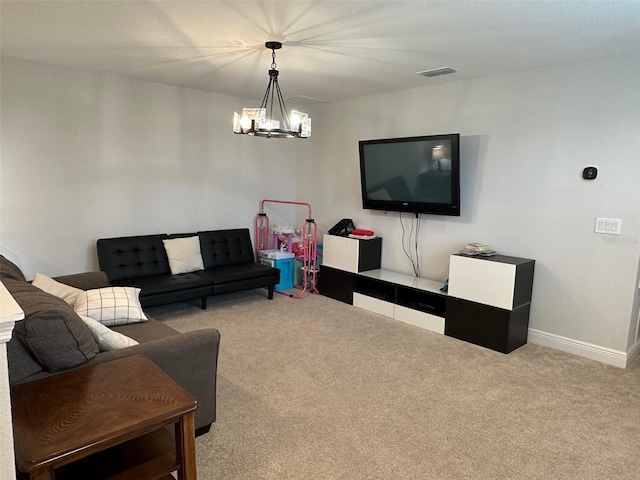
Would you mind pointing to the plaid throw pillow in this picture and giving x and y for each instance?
(111, 305)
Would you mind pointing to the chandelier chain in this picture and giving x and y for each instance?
(273, 59)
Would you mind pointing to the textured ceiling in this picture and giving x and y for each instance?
(332, 49)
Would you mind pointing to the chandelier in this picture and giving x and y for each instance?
(261, 122)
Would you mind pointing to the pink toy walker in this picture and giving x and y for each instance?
(308, 253)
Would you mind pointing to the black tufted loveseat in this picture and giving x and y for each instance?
(229, 266)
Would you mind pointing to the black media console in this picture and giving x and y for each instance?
(487, 304)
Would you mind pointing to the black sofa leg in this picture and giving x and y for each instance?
(270, 295)
(204, 305)
(203, 430)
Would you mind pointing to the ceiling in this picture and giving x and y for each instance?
(332, 49)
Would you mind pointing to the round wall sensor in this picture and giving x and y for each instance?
(589, 173)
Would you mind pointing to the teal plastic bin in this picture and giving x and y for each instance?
(285, 265)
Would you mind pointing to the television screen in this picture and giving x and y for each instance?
(412, 174)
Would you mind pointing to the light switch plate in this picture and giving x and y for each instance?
(609, 226)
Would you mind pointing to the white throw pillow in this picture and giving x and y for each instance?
(106, 338)
(60, 290)
(111, 305)
(184, 254)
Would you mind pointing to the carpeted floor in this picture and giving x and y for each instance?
(317, 389)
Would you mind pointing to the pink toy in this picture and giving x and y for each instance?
(298, 248)
(283, 240)
(306, 249)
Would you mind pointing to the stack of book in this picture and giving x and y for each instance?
(477, 250)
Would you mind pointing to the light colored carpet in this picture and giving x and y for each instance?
(317, 389)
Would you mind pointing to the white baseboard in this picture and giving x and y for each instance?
(633, 353)
(605, 355)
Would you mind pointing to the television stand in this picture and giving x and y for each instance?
(487, 304)
(406, 298)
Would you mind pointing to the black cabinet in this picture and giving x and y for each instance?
(489, 300)
(336, 284)
(491, 327)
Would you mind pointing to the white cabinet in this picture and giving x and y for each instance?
(351, 254)
(340, 252)
(486, 282)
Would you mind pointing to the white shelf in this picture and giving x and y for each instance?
(404, 280)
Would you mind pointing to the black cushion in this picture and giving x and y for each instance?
(246, 284)
(159, 284)
(226, 247)
(131, 257)
(176, 296)
(55, 335)
(237, 273)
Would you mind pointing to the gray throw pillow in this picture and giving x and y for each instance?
(22, 363)
(9, 269)
(56, 336)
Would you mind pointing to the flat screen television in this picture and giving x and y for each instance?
(411, 174)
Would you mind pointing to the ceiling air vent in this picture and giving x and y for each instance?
(436, 72)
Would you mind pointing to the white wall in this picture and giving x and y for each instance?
(86, 156)
(525, 138)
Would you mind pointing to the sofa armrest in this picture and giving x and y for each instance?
(190, 358)
(85, 280)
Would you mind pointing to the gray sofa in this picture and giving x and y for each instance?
(227, 255)
(52, 338)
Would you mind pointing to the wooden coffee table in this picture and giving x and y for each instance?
(104, 422)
